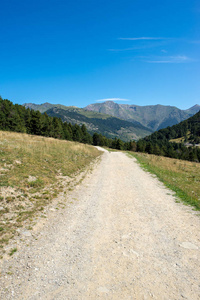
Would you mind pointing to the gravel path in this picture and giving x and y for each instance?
(123, 237)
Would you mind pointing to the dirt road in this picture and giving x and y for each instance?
(123, 237)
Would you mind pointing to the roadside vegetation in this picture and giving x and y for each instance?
(183, 177)
(33, 170)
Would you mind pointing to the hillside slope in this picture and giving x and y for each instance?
(43, 107)
(178, 141)
(153, 117)
(185, 131)
(106, 125)
(33, 170)
(95, 122)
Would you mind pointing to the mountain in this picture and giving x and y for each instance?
(194, 109)
(44, 106)
(120, 120)
(153, 117)
(187, 131)
(179, 141)
(95, 122)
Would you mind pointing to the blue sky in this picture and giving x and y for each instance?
(78, 52)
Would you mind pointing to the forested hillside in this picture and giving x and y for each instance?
(104, 124)
(186, 131)
(177, 141)
(20, 119)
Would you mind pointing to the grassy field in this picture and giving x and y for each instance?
(183, 177)
(33, 170)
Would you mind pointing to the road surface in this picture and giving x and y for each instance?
(122, 237)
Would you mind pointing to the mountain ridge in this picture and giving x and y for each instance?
(154, 117)
(107, 125)
(130, 121)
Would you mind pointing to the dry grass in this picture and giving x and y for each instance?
(181, 176)
(32, 172)
(178, 140)
(181, 139)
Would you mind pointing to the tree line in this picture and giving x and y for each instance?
(189, 130)
(14, 117)
(161, 141)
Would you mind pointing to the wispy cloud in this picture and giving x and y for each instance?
(143, 38)
(195, 42)
(112, 99)
(170, 60)
(124, 49)
(141, 47)
(161, 43)
(143, 43)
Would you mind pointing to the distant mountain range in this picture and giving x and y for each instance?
(154, 117)
(108, 126)
(118, 120)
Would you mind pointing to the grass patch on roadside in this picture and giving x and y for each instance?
(32, 170)
(183, 177)
(23, 155)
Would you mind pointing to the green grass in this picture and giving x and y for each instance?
(12, 251)
(182, 177)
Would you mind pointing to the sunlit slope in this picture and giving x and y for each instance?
(95, 122)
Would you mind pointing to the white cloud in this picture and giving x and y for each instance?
(170, 60)
(141, 47)
(146, 43)
(142, 38)
(126, 49)
(112, 99)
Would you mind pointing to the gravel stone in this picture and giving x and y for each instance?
(124, 237)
